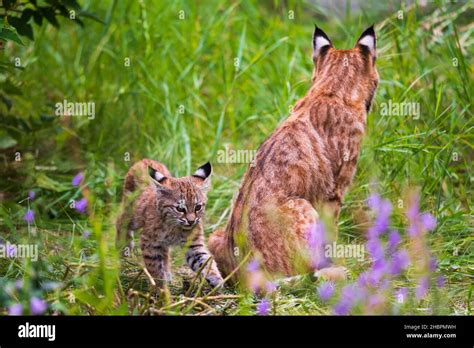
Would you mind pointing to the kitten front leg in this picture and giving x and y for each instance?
(157, 260)
(198, 255)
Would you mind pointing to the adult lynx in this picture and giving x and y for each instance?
(308, 162)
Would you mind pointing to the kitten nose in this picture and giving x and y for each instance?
(191, 222)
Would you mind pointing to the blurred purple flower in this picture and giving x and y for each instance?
(29, 216)
(19, 284)
(422, 288)
(15, 309)
(270, 287)
(428, 221)
(376, 300)
(440, 281)
(375, 249)
(37, 306)
(253, 266)
(400, 261)
(374, 201)
(413, 210)
(343, 307)
(76, 181)
(31, 195)
(81, 205)
(381, 223)
(394, 240)
(433, 264)
(316, 243)
(86, 234)
(263, 308)
(326, 290)
(401, 295)
(11, 250)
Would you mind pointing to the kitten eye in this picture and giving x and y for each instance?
(197, 208)
(181, 209)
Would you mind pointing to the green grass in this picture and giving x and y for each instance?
(189, 64)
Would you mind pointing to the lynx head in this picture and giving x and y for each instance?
(182, 200)
(350, 74)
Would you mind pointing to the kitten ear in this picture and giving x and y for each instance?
(157, 177)
(320, 41)
(204, 174)
(368, 41)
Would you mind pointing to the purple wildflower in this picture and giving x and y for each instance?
(19, 284)
(440, 281)
(86, 234)
(270, 287)
(37, 306)
(401, 295)
(433, 264)
(29, 216)
(316, 243)
(11, 250)
(31, 195)
(263, 308)
(342, 308)
(326, 290)
(400, 261)
(374, 201)
(253, 266)
(15, 309)
(428, 221)
(381, 223)
(81, 205)
(76, 181)
(375, 248)
(393, 241)
(422, 288)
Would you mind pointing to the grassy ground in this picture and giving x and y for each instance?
(225, 74)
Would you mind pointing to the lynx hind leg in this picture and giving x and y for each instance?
(218, 248)
(303, 217)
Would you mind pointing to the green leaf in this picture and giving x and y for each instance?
(22, 27)
(6, 141)
(50, 15)
(11, 35)
(50, 184)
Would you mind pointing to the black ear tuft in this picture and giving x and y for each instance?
(368, 40)
(320, 41)
(156, 175)
(204, 171)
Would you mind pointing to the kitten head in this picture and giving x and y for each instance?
(350, 74)
(182, 200)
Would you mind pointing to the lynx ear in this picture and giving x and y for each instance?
(158, 178)
(204, 174)
(320, 42)
(368, 41)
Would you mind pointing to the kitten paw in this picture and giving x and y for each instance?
(214, 281)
